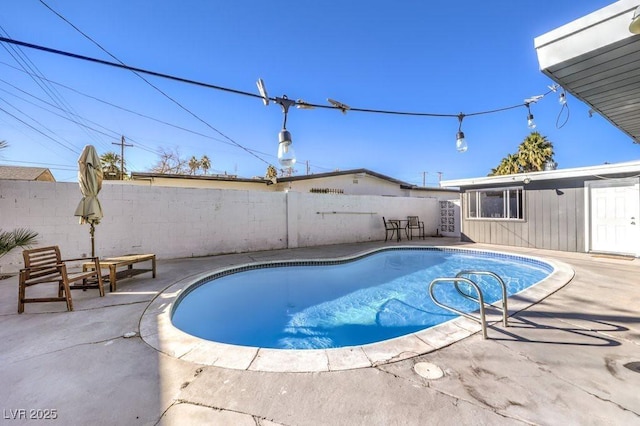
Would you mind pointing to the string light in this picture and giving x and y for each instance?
(286, 154)
(530, 123)
(461, 141)
(285, 136)
(562, 99)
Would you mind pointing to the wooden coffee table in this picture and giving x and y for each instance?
(113, 263)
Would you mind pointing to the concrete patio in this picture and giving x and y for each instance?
(560, 362)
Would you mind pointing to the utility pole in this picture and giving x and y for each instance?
(439, 178)
(122, 145)
(424, 179)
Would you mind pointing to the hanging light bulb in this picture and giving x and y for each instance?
(286, 154)
(530, 123)
(461, 142)
(562, 99)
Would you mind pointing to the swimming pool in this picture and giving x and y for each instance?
(313, 304)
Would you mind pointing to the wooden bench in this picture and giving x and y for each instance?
(113, 263)
(45, 265)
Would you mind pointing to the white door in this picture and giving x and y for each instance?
(615, 216)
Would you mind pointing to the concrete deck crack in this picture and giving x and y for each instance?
(455, 399)
(257, 419)
(567, 381)
(70, 347)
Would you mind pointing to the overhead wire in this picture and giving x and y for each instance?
(139, 114)
(39, 131)
(136, 142)
(136, 72)
(37, 76)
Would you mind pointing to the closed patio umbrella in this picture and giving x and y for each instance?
(90, 178)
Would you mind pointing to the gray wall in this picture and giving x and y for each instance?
(554, 219)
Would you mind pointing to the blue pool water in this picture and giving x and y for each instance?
(369, 299)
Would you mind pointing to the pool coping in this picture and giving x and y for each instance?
(157, 330)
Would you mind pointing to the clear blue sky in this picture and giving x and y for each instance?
(417, 56)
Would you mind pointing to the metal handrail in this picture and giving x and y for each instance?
(482, 320)
(505, 312)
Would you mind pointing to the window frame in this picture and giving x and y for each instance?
(474, 203)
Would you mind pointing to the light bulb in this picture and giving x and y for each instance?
(461, 142)
(530, 123)
(286, 154)
(562, 99)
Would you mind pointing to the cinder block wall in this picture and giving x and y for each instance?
(187, 222)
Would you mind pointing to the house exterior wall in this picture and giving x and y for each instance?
(350, 184)
(554, 218)
(177, 222)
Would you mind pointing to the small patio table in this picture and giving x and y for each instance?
(402, 224)
(113, 263)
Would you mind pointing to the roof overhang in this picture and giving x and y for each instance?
(631, 167)
(595, 58)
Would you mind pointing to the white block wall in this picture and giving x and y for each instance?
(187, 222)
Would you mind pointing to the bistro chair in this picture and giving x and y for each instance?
(413, 222)
(391, 226)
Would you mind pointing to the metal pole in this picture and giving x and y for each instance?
(93, 247)
(122, 145)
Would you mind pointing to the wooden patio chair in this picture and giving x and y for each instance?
(413, 222)
(45, 265)
(391, 226)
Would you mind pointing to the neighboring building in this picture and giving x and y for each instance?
(197, 181)
(350, 182)
(26, 173)
(358, 182)
(587, 209)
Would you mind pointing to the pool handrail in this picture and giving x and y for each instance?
(455, 280)
(505, 312)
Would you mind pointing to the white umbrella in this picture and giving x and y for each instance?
(90, 178)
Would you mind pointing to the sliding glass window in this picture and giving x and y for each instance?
(495, 204)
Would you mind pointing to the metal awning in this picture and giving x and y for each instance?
(597, 60)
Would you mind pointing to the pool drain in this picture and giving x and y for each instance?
(633, 366)
(428, 370)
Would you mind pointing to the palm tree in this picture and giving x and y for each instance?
(205, 164)
(508, 165)
(110, 162)
(20, 237)
(534, 152)
(194, 165)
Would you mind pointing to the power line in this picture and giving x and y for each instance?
(49, 165)
(39, 131)
(128, 111)
(38, 77)
(136, 72)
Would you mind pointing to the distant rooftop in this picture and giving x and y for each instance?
(26, 173)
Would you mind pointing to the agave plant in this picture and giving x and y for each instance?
(20, 237)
